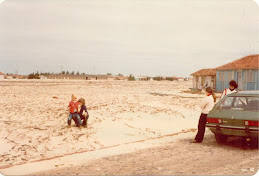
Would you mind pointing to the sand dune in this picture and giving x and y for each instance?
(34, 123)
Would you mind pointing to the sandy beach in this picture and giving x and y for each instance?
(135, 116)
(178, 157)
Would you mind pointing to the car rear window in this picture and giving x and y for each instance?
(240, 103)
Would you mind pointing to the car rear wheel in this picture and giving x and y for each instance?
(221, 139)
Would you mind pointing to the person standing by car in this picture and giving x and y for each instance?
(232, 89)
(206, 106)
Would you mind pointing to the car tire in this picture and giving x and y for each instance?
(221, 139)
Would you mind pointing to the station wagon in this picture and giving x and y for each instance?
(235, 115)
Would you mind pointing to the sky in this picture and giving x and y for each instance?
(139, 37)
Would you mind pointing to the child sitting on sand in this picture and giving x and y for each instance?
(73, 109)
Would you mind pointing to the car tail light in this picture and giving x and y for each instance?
(251, 123)
(214, 120)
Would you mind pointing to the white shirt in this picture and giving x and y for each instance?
(207, 104)
(226, 92)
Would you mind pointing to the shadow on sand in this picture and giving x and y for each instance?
(234, 142)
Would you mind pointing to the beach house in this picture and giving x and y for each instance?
(204, 78)
(244, 71)
(2, 76)
(141, 78)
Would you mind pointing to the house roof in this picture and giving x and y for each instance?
(205, 72)
(1, 73)
(248, 62)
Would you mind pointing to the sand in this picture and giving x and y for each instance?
(178, 157)
(33, 117)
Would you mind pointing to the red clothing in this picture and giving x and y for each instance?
(73, 106)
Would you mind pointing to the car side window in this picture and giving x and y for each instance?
(227, 103)
(253, 103)
(240, 103)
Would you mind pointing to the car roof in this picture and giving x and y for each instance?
(247, 92)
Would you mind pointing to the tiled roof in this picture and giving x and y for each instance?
(205, 72)
(1, 73)
(248, 62)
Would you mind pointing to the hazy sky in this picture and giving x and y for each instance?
(142, 37)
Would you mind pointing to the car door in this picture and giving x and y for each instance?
(239, 111)
(223, 111)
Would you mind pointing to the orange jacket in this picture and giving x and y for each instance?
(72, 106)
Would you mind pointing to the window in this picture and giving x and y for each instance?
(240, 104)
(227, 103)
(250, 76)
(253, 103)
(221, 76)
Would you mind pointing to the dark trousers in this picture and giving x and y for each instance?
(84, 123)
(201, 128)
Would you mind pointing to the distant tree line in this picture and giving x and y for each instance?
(131, 78)
(72, 73)
(34, 76)
(37, 74)
(158, 78)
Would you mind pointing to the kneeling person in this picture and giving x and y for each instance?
(83, 113)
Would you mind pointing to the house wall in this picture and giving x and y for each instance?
(225, 76)
(200, 81)
(1, 76)
(194, 82)
(210, 81)
(251, 85)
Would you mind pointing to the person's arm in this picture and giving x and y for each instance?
(86, 111)
(223, 94)
(69, 106)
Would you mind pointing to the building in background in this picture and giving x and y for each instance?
(2, 76)
(9, 76)
(180, 79)
(244, 71)
(43, 77)
(84, 77)
(12, 76)
(141, 78)
(204, 78)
